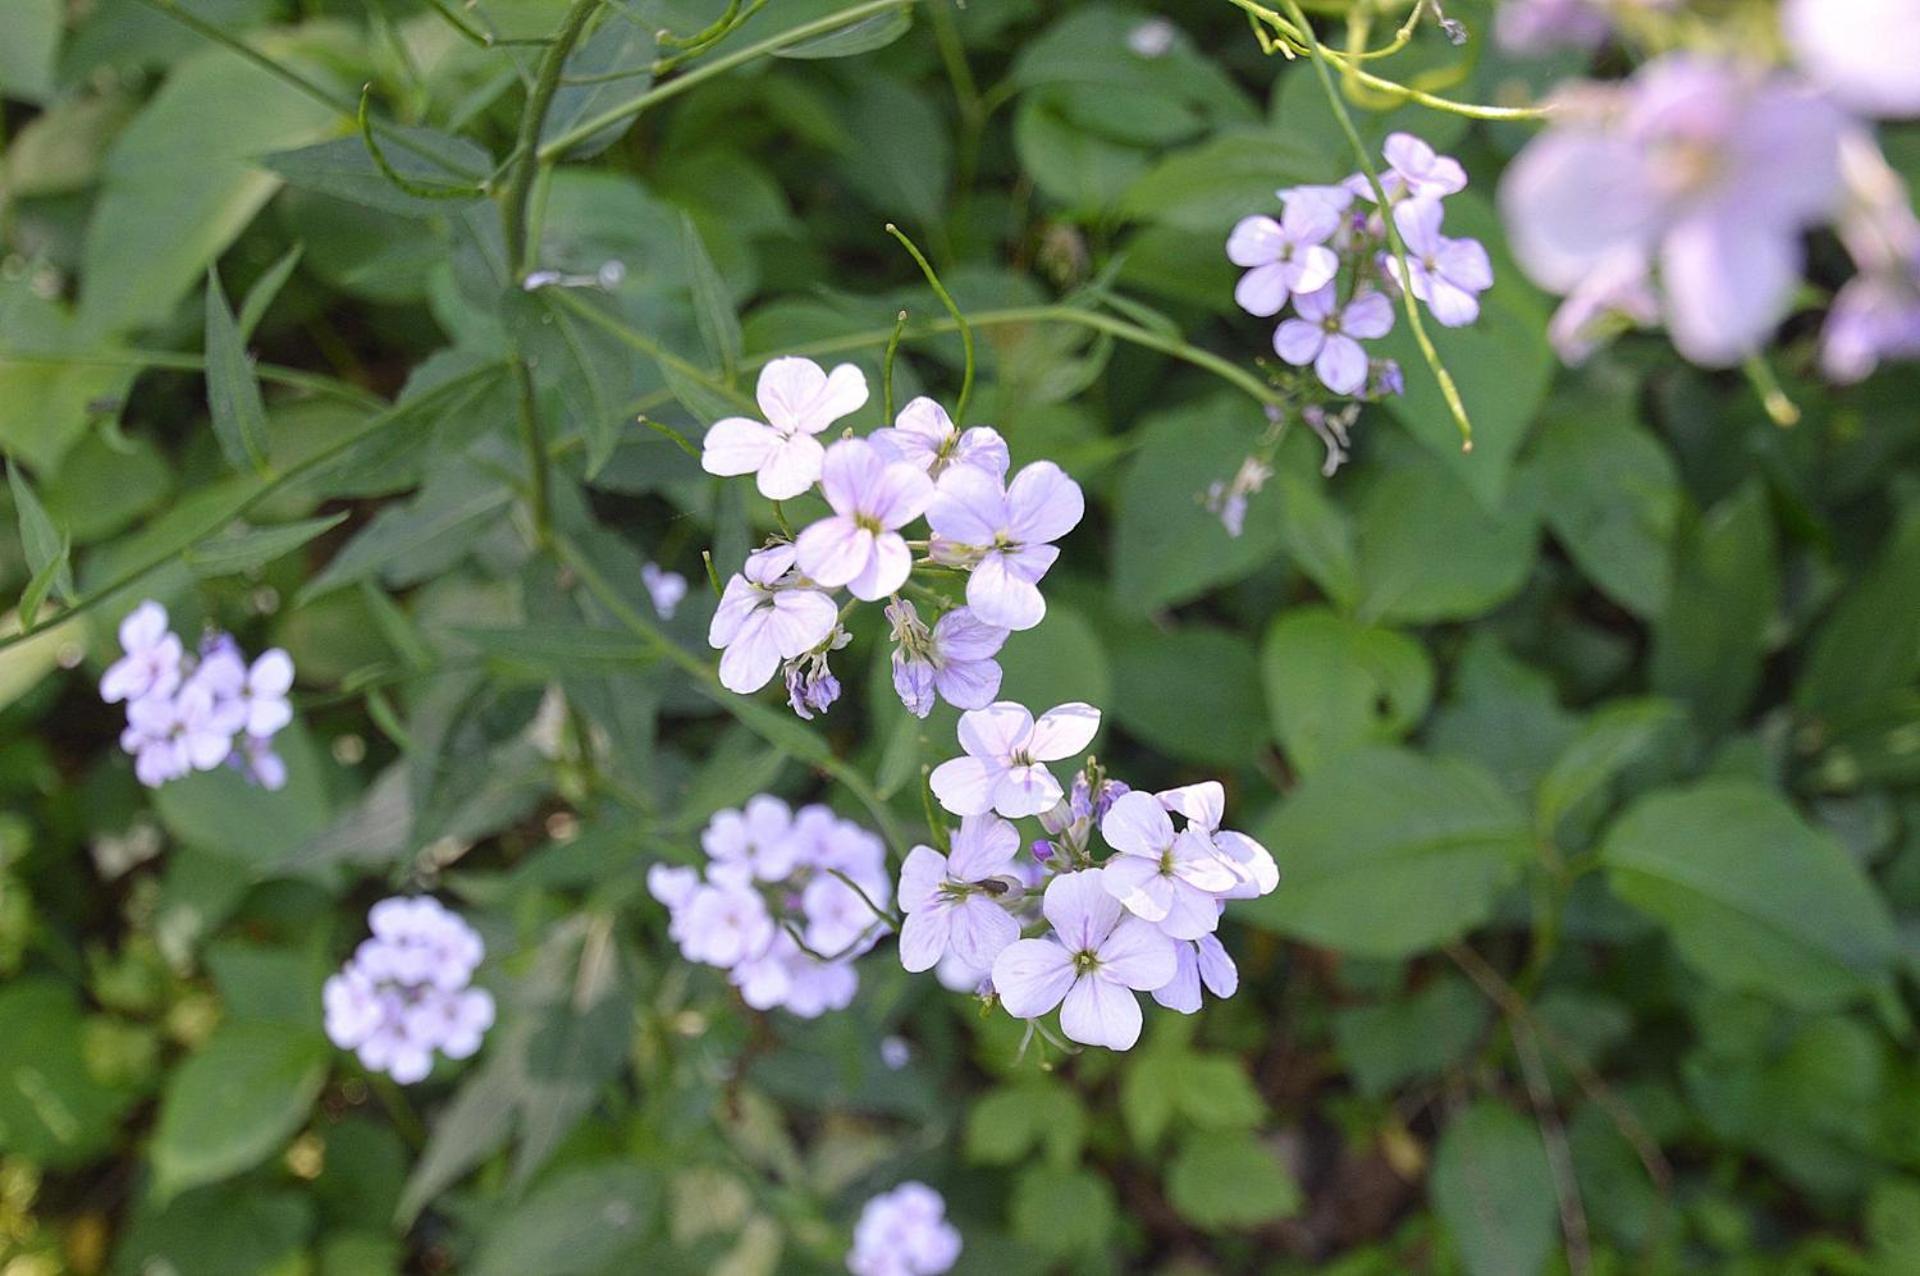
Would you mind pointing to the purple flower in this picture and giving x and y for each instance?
(955, 659)
(1004, 536)
(1874, 317)
(1866, 53)
(1007, 751)
(1204, 960)
(904, 1233)
(754, 843)
(1090, 966)
(800, 400)
(1286, 256)
(666, 589)
(767, 614)
(1203, 806)
(1711, 170)
(1448, 274)
(1328, 336)
(1170, 879)
(405, 992)
(924, 435)
(151, 665)
(1615, 295)
(811, 686)
(860, 545)
(1414, 170)
(947, 906)
(1530, 27)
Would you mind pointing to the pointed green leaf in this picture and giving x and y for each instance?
(266, 288)
(45, 545)
(233, 392)
(244, 551)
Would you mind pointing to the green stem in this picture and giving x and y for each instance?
(646, 345)
(1781, 410)
(886, 368)
(553, 60)
(959, 320)
(171, 361)
(539, 484)
(1448, 390)
(219, 522)
(661, 92)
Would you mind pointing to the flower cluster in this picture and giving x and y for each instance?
(1329, 255)
(786, 901)
(780, 611)
(194, 713)
(904, 1233)
(1139, 919)
(405, 992)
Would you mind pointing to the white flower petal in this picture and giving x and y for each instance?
(1031, 976)
(1063, 731)
(1099, 1012)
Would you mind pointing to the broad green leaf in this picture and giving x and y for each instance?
(408, 542)
(589, 1220)
(1062, 1211)
(51, 391)
(1223, 1182)
(46, 546)
(1167, 1081)
(1610, 740)
(52, 1109)
(1428, 550)
(41, 583)
(712, 304)
(1503, 715)
(1007, 1124)
(239, 552)
(1088, 47)
(1334, 683)
(1390, 854)
(1421, 1034)
(1210, 186)
(1611, 495)
(182, 181)
(235, 1102)
(1708, 643)
(1869, 646)
(864, 36)
(233, 392)
(1084, 171)
(29, 46)
(1493, 1189)
(1753, 897)
(219, 1231)
(432, 164)
(221, 811)
(899, 155)
(1167, 548)
(1060, 659)
(1193, 693)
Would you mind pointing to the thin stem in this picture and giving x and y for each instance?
(219, 522)
(1448, 390)
(661, 92)
(889, 918)
(1566, 1184)
(546, 82)
(533, 443)
(646, 345)
(959, 320)
(1781, 410)
(886, 368)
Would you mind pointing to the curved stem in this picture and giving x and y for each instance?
(953, 309)
(553, 59)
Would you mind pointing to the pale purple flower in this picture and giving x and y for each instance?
(955, 659)
(1203, 806)
(1004, 536)
(859, 545)
(953, 902)
(1866, 53)
(1170, 879)
(1202, 961)
(839, 922)
(1153, 38)
(1090, 966)
(152, 737)
(1616, 295)
(1228, 499)
(924, 435)
(800, 400)
(1530, 27)
(1284, 257)
(1007, 751)
(904, 1233)
(151, 665)
(1414, 170)
(811, 686)
(666, 589)
(1448, 274)
(261, 765)
(767, 614)
(724, 925)
(754, 843)
(1328, 335)
(205, 724)
(1874, 317)
(405, 992)
(895, 1053)
(1710, 169)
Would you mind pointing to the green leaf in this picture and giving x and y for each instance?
(1004, 1125)
(1708, 643)
(261, 296)
(1208, 187)
(53, 1111)
(1223, 1182)
(29, 48)
(220, 811)
(50, 393)
(899, 155)
(1620, 531)
(46, 546)
(1390, 854)
(864, 36)
(235, 1102)
(415, 540)
(1168, 1080)
(1609, 741)
(1420, 1035)
(551, 650)
(233, 392)
(1082, 170)
(1428, 550)
(34, 596)
(591, 1219)
(712, 303)
(1753, 897)
(615, 63)
(183, 180)
(1870, 645)
(430, 161)
(238, 552)
(1061, 1211)
(1060, 659)
(1193, 693)
(1335, 683)
(1493, 1189)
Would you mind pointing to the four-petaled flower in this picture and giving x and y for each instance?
(1090, 966)
(1005, 535)
(1007, 751)
(1203, 806)
(860, 545)
(950, 900)
(1328, 335)
(1448, 274)
(151, 665)
(1168, 878)
(926, 436)
(1284, 257)
(767, 614)
(955, 658)
(799, 400)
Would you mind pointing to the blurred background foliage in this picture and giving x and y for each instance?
(1588, 757)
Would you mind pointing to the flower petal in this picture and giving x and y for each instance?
(1182, 992)
(921, 875)
(967, 684)
(1043, 504)
(1137, 954)
(1031, 976)
(1079, 908)
(735, 445)
(995, 731)
(1062, 731)
(1136, 882)
(968, 506)
(1216, 967)
(887, 567)
(964, 786)
(1025, 790)
(834, 550)
(1203, 804)
(800, 620)
(1264, 290)
(791, 468)
(1342, 365)
(983, 845)
(1256, 241)
(925, 935)
(1003, 598)
(981, 930)
(1137, 824)
(1298, 342)
(1099, 1012)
